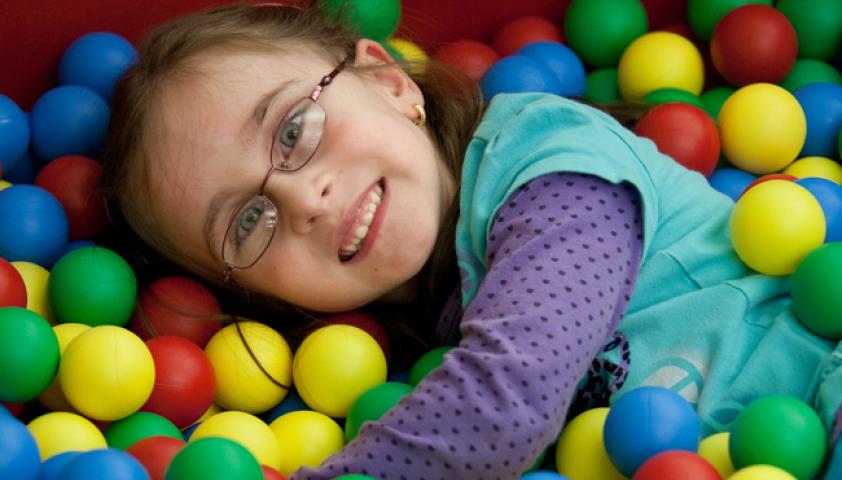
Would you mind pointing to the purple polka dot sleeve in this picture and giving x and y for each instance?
(563, 254)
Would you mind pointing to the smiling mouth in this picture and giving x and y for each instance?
(358, 232)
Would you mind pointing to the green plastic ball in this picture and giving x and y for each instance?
(780, 431)
(372, 404)
(818, 25)
(124, 433)
(374, 19)
(427, 362)
(29, 354)
(808, 70)
(214, 458)
(668, 95)
(705, 14)
(600, 30)
(816, 290)
(714, 98)
(93, 286)
(601, 86)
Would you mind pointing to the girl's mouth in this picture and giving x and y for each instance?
(354, 238)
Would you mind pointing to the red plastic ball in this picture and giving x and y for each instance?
(752, 44)
(771, 176)
(156, 454)
(664, 12)
(367, 323)
(523, 31)
(684, 132)
(177, 306)
(12, 288)
(14, 408)
(270, 473)
(72, 180)
(185, 384)
(676, 465)
(470, 57)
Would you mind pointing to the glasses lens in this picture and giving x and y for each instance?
(249, 233)
(298, 135)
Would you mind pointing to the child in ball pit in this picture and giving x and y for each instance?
(269, 150)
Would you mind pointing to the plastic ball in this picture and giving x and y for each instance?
(470, 57)
(19, 457)
(647, 421)
(69, 120)
(580, 452)
(822, 105)
(271, 474)
(542, 475)
(53, 397)
(714, 98)
(107, 373)
(94, 286)
(522, 31)
(291, 403)
(807, 71)
(156, 454)
(306, 438)
(185, 384)
(334, 365)
(33, 225)
(59, 432)
(12, 287)
(563, 62)
(601, 86)
(96, 60)
(774, 225)
(600, 30)
(817, 24)
(516, 74)
(829, 195)
(253, 367)
(820, 167)
(105, 464)
(27, 344)
(413, 58)
(761, 472)
(685, 133)
(373, 404)
(762, 128)
(660, 60)
(374, 19)
(52, 468)
(752, 44)
(676, 464)
(72, 180)
(14, 134)
(214, 458)
(704, 15)
(126, 432)
(246, 429)
(714, 449)
(427, 363)
(36, 278)
(672, 95)
(816, 288)
(780, 431)
(25, 170)
(369, 324)
(731, 181)
(772, 176)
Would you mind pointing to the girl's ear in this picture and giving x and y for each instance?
(396, 83)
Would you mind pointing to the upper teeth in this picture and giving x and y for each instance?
(361, 231)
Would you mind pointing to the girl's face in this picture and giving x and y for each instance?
(213, 137)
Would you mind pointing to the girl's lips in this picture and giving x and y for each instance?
(351, 218)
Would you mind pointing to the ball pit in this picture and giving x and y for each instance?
(676, 464)
(601, 86)
(704, 15)
(660, 60)
(373, 404)
(815, 167)
(829, 196)
(72, 181)
(14, 134)
(374, 19)
(516, 74)
(714, 449)
(35, 279)
(53, 397)
(19, 457)
(214, 458)
(33, 225)
(27, 344)
(816, 287)
(809, 70)
(59, 432)
(68, 120)
(817, 24)
(580, 452)
(684, 132)
(306, 438)
(12, 288)
(156, 453)
(822, 105)
(95, 60)
(522, 31)
(600, 30)
(138, 426)
(245, 429)
(426, 363)
(104, 464)
(470, 57)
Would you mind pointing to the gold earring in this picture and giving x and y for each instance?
(421, 119)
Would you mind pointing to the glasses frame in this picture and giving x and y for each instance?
(278, 167)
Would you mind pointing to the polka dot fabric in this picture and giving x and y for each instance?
(563, 254)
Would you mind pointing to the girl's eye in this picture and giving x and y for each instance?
(289, 132)
(247, 221)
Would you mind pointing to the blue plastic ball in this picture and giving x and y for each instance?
(563, 62)
(19, 455)
(543, 475)
(33, 225)
(645, 422)
(188, 432)
(104, 464)
(822, 105)
(69, 120)
(829, 195)
(52, 468)
(14, 133)
(731, 181)
(96, 60)
(518, 73)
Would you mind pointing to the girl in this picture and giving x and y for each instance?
(269, 150)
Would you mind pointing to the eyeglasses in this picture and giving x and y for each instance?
(294, 142)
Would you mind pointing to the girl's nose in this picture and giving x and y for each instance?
(302, 200)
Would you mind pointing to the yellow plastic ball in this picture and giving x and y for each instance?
(35, 279)
(59, 432)
(246, 429)
(241, 384)
(4, 184)
(211, 411)
(580, 452)
(714, 449)
(306, 438)
(53, 397)
(821, 167)
(761, 472)
(762, 128)
(415, 57)
(775, 224)
(334, 365)
(107, 373)
(659, 60)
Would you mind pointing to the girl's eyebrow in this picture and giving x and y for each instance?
(258, 114)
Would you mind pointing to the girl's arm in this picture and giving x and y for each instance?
(563, 254)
